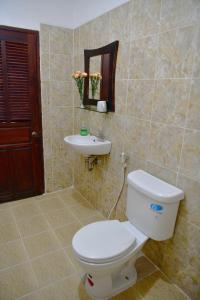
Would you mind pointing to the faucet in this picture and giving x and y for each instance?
(100, 136)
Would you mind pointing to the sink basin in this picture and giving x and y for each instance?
(88, 145)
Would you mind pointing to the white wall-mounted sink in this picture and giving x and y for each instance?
(88, 145)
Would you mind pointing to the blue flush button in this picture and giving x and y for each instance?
(156, 207)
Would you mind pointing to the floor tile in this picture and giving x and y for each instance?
(51, 202)
(71, 197)
(66, 233)
(95, 218)
(83, 210)
(52, 267)
(32, 225)
(12, 253)
(60, 217)
(40, 244)
(152, 287)
(6, 216)
(144, 267)
(25, 210)
(16, 281)
(70, 254)
(8, 232)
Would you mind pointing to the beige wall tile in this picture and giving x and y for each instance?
(145, 17)
(162, 173)
(176, 13)
(193, 117)
(137, 136)
(143, 58)
(61, 41)
(171, 101)
(120, 23)
(165, 145)
(190, 157)
(176, 52)
(140, 98)
(190, 207)
(61, 93)
(45, 67)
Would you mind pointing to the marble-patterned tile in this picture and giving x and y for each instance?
(196, 61)
(61, 41)
(190, 157)
(44, 38)
(171, 101)
(165, 145)
(59, 217)
(45, 67)
(143, 55)
(120, 23)
(25, 210)
(145, 18)
(140, 98)
(122, 61)
(137, 136)
(176, 52)
(179, 13)
(193, 117)
(162, 173)
(190, 206)
(61, 93)
(60, 67)
(121, 96)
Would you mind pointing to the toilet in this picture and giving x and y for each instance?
(107, 250)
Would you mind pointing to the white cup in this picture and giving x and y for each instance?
(102, 106)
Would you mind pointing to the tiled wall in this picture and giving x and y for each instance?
(56, 50)
(157, 118)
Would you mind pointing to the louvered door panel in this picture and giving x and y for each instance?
(18, 82)
(21, 153)
(2, 94)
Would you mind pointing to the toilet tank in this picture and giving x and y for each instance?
(152, 205)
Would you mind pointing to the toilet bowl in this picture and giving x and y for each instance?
(107, 250)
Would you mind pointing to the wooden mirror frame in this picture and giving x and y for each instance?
(107, 84)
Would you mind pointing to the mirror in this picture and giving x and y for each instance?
(95, 69)
(100, 64)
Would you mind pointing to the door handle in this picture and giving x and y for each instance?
(35, 134)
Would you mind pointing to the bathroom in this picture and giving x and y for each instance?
(156, 124)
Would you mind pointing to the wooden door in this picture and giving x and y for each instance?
(21, 152)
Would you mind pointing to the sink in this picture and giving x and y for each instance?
(88, 145)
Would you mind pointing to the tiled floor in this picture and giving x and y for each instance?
(36, 259)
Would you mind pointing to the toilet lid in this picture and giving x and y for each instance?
(102, 241)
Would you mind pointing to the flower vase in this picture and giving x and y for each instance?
(81, 104)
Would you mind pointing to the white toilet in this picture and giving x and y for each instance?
(107, 250)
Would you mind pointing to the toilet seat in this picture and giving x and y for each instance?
(103, 241)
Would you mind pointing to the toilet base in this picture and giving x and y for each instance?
(104, 287)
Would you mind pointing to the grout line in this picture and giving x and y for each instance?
(45, 286)
(28, 258)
